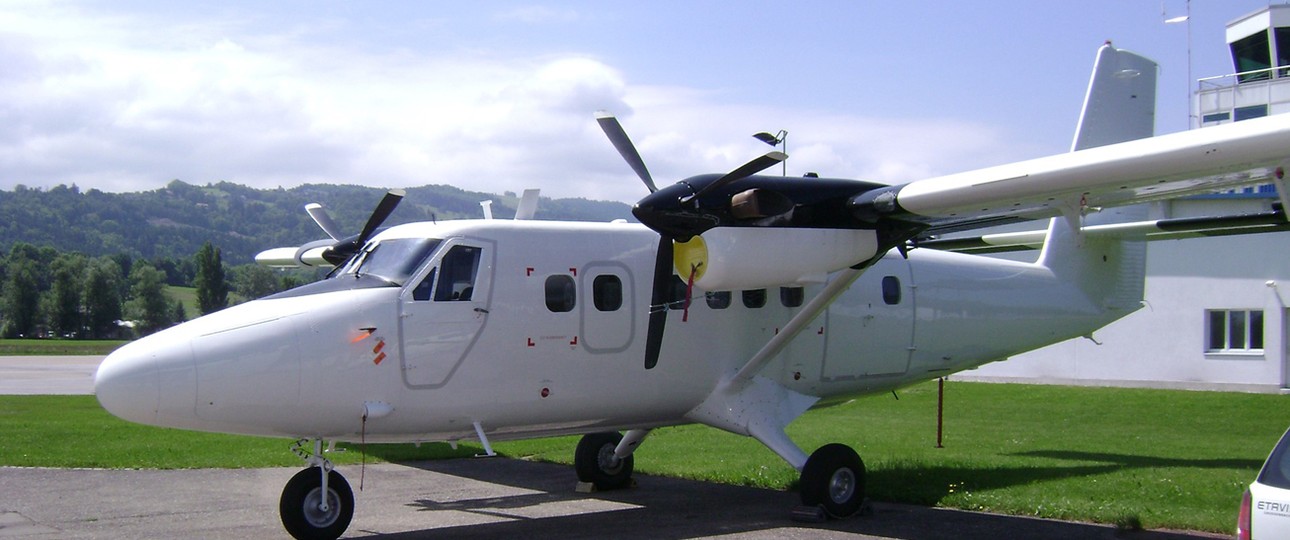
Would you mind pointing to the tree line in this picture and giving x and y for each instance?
(48, 293)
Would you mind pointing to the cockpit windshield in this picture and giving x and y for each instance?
(393, 260)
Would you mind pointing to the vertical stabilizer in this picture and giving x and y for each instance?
(1119, 106)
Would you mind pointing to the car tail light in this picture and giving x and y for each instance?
(1243, 519)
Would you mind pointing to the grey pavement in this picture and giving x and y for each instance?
(479, 498)
(466, 498)
(32, 375)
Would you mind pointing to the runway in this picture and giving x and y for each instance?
(35, 375)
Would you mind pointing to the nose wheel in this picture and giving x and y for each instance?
(317, 503)
(312, 511)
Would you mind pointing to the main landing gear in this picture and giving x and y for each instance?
(832, 478)
(833, 481)
(317, 503)
(599, 462)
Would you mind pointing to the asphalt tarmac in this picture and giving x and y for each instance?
(463, 499)
(35, 375)
(457, 499)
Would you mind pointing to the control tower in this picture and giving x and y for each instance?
(1260, 47)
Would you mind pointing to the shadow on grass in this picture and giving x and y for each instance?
(919, 483)
(1128, 460)
(929, 485)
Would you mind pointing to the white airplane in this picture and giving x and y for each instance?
(740, 302)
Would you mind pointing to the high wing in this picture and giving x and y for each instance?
(1167, 166)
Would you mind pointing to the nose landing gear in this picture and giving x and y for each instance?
(317, 503)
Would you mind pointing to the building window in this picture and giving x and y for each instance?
(755, 298)
(1234, 330)
(791, 296)
(561, 294)
(718, 299)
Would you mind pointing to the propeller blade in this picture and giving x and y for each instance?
(382, 211)
(345, 248)
(324, 220)
(755, 166)
(625, 148)
(659, 301)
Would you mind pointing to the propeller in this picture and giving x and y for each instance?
(669, 229)
(345, 248)
(324, 221)
(625, 148)
(755, 166)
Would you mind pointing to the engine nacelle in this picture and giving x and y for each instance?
(733, 258)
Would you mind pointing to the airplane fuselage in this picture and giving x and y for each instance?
(547, 337)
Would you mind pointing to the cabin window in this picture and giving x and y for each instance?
(755, 298)
(457, 274)
(718, 299)
(891, 290)
(791, 296)
(607, 292)
(422, 292)
(561, 294)
(1234, 330)
(394, 260)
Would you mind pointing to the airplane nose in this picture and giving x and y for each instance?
(128, 383)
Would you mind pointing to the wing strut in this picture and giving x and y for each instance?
(841, 282)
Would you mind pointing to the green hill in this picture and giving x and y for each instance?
(175, 220)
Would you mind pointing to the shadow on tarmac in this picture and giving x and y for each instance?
(672, 508)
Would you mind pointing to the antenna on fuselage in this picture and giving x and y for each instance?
(488, 208)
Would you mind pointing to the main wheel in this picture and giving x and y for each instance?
(595, 462)
(300, 506)
(834, 479)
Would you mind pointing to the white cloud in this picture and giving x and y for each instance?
(120, 103)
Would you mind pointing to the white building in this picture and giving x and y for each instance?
(1216, 312)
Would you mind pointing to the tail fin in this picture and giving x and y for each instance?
(1119, 106)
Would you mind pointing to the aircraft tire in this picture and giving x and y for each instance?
(298, 506)
(595, 463)
(833, 478)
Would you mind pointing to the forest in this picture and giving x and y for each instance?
(174, 221)
(96, 265)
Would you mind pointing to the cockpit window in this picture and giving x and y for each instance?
(393, 260)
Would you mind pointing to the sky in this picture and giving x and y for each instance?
(501, 96)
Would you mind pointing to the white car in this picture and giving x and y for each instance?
(1265, 508)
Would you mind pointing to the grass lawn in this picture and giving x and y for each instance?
(1133, 457)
